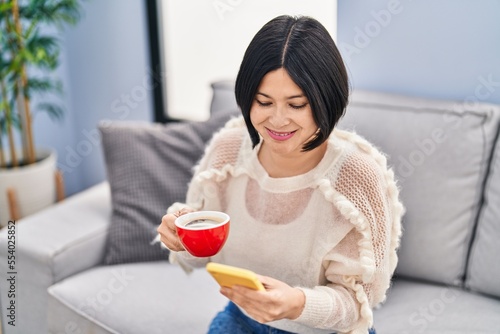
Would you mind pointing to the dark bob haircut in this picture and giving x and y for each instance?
(305, 49)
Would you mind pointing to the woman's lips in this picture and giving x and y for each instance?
(281, 136)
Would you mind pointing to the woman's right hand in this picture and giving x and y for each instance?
(168, 232)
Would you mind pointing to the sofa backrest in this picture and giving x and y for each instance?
(440, 152)
(483, 274)
(222, 97)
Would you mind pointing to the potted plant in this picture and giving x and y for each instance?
(29, 54)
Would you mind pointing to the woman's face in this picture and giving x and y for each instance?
(282, 114)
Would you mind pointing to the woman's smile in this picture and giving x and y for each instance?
(280, 135)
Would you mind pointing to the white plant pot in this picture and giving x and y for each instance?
(34, 185)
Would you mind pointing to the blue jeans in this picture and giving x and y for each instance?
(232, 321)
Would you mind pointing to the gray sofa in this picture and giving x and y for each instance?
(446, 156)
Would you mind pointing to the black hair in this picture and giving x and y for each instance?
(305, 49)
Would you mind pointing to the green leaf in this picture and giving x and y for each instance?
(54, 12)
(44, 85)
(42, 51)
(54, 111)
(5, 7)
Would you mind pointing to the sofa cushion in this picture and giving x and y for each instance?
(415, 307)
(134, 298)
(439, 151)
(484, 266)
(148, 167)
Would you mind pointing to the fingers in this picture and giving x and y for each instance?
(268, 282)
(238, 297)
(278, 301)
(255, 303)
(168, 232)
(182, 211)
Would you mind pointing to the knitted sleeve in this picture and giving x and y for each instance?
(360, 267)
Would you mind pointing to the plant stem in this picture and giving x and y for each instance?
(3, 164)
(26, 114)
(8, 116)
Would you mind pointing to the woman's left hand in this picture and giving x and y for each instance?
(279, 301)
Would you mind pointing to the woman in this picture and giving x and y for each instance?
(314, 210)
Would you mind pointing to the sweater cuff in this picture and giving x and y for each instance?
(187, 261)
(179, 258)
(315, 307)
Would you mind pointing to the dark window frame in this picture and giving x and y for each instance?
(156, 63)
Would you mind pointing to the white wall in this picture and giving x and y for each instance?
(205, 41)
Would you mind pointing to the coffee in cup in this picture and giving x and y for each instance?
(203, 233)
(202, 223)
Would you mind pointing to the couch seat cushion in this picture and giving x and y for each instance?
(415, 307)
(138, 298)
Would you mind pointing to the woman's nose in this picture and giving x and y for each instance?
(279, 117)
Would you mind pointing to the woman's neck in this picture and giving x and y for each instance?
(278, 166)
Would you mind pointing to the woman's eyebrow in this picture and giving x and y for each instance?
(295, 96)
(288, 98)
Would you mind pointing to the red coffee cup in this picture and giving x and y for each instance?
(203, 233)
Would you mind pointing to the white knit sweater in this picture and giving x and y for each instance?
(333, 231)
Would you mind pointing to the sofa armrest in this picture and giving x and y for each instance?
(67, 238)
(55, 243)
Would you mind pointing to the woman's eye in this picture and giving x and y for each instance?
(300, 106)
(263, 104)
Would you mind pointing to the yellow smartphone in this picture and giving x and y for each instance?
(228, 276)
